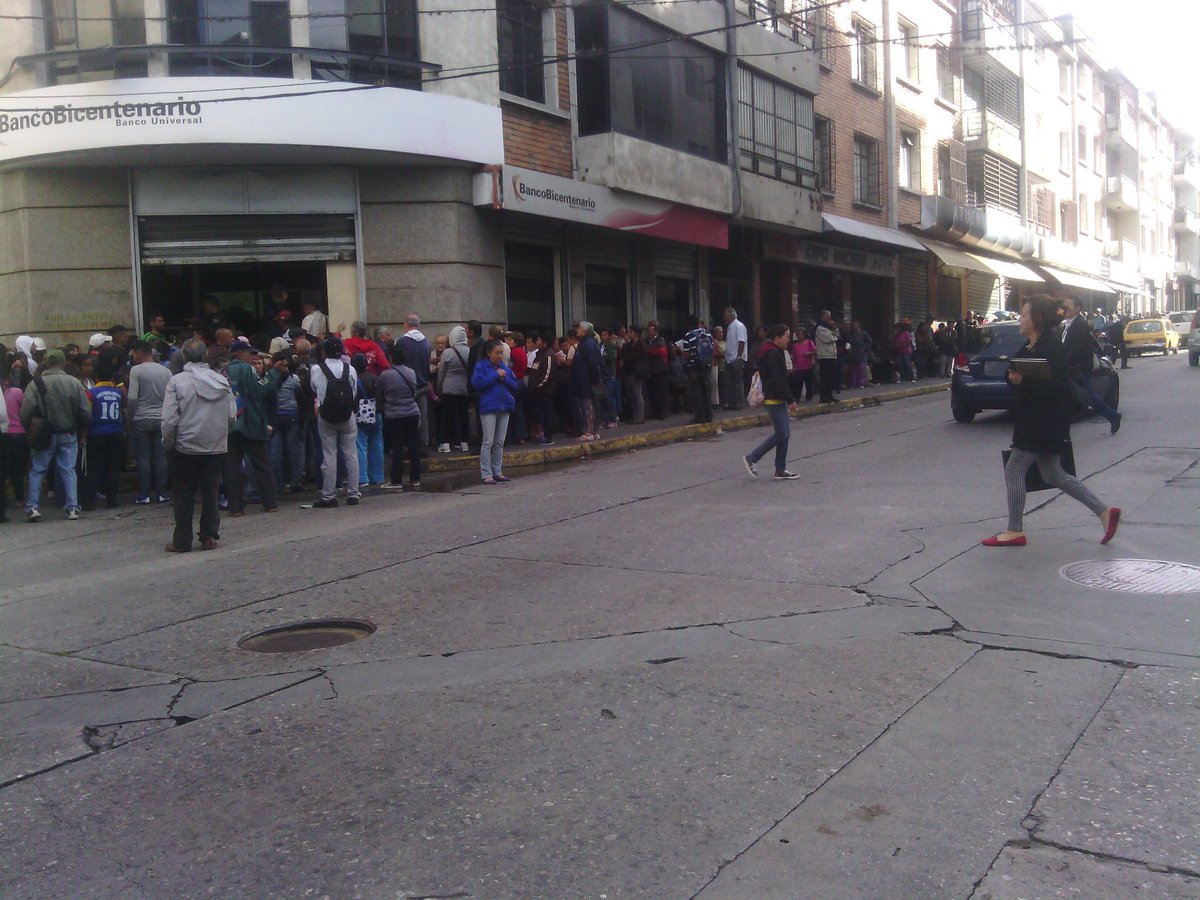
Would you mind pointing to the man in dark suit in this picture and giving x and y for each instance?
(1082, 348)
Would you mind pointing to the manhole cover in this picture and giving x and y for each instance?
(1135, 576)
(315, 634)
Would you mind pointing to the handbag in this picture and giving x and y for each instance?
(755, 397)
(1033, 475)
(38, 435)
(365, 414)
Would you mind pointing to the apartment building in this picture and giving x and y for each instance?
(543, 162)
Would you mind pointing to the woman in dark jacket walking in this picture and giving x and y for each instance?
(1042, 425)
(778, 401)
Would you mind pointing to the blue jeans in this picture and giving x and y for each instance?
(287, 451)
(370, 452)
(63, 451)
(151, 457)
(778, 439)
(491, 453)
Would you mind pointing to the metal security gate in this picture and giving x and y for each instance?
(912, 275)
(182, 240)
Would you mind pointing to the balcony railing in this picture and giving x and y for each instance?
(1187, 172)
(1120, 128)
(1122, 251)
(226, 59)
(768, 14)
(997, 133)
(1120, 193)
(1186, 220)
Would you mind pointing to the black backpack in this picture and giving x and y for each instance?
(339, 403)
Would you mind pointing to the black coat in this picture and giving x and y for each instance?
(1042, 411)
(772, 369)
(1081, 346)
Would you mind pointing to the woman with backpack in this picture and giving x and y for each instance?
(493, 381)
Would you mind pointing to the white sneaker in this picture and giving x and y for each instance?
(463, 447)
(33, 515)
(72, 515)
(443, 448)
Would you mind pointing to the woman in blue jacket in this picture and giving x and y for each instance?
(493, 381)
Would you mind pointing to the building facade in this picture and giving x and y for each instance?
(544, 162)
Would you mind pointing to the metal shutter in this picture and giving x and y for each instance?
(673, 260)
(604, 248)
(983, 293)
(912, 275)
(166, 240)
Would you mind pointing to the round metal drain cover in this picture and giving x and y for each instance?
(1135, 576)
(315, 634)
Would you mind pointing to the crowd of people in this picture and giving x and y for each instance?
(312, 405)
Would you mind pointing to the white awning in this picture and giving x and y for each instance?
(869, 232)
(1074, 279)
(955, 258)
(1013, 271)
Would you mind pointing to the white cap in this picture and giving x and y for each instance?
(39, 343)
(99, 339)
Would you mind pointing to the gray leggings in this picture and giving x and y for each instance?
(1053, 474)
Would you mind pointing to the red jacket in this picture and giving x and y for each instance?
(519, 362)
(376, 359)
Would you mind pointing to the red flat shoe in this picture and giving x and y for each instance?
(995, 541)
(1114, 519)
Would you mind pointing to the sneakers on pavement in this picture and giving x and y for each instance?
(785, 475)
(33, 515)
(352, 501)
(464, 447)
(502, 479)
(331, 503)
(750, 467)
(163, 498)
(72, 515)
(443, 448)
(142, 500)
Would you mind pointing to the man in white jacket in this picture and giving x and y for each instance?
(197, 410)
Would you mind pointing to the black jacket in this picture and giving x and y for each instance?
(1042, 412)
(1081, 346)
(772, 369)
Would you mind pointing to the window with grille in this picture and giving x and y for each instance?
(864, 55)
(825, 154)
(947, 83)
(818, 19)
(520, 44)
(776, 124)
(866, 171)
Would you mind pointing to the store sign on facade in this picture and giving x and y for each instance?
(539, 194)
(827, 256)
(165, 112)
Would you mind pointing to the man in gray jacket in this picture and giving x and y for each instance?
(147, 387)
(197, 410)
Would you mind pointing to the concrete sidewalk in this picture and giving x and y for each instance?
(678, 428)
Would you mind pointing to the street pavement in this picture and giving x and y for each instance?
(634, 674)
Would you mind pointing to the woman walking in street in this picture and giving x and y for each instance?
(494, 383)
(772, 370)
(1042, 424)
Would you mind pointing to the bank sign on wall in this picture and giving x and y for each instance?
(89, 119)
(526, 191)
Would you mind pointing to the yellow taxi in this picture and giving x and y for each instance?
(1151, 335)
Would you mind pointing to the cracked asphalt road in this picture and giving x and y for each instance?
(636, 676)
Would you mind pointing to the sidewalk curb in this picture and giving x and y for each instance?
(571, 449)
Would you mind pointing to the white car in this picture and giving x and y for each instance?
(1182, 323)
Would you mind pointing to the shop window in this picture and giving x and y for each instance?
(663, 90)
(90, 25)
(606, 293)
(673, 305)
(947, 83)
(866, 172)
(776, 124)
(238, 24)
(521, 45)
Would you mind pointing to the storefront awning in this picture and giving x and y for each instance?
(868, 232)
(1013, 271)
(953, 257)
(1074, 279)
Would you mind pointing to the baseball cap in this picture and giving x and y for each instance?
(39, 343)
(239, 345)
(55, 357)
(285, 315)
(99, 339)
